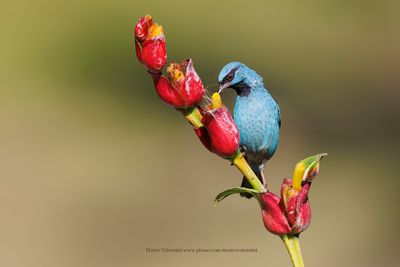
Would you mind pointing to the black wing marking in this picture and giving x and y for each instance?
(279, 118)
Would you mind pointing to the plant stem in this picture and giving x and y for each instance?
(193, 115)
(292, 244)
(239, 162)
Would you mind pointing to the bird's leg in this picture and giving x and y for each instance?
(263, 180)
(243, 150)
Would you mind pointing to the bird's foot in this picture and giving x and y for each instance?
(243, 150)
(263, 180)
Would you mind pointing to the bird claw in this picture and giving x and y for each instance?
(243, 150)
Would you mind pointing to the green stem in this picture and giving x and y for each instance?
(239, 162)
(292, 244)
(193, 115)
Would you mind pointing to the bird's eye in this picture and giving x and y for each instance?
(229, 76)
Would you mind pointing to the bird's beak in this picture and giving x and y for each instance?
(223, 87)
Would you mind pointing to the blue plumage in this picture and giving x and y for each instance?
(256, 114)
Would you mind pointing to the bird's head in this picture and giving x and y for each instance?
(238, 76)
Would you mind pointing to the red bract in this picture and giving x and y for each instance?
(150, 44)
(290, 214)
(219, 134)
(183, 88)
(273, 216)
(297, 205)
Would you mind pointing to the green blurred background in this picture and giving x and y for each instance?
(93, 163)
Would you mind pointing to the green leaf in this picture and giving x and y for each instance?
(306, 170)
(236, 190)
(312, 166)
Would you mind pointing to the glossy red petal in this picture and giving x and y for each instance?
(303, 194)
(192, 90)
(223, 133)
(154, 54)
(302, 210)
(303, 218)
(202, 133)
(142, 27)
(273, 216)
(291, 211)
(138, 49)
(288, 196)
(166, 92)
(286, 181)
(296, 206)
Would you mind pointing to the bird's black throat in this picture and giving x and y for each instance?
(242, 88)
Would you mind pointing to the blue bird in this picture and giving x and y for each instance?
(256, 115)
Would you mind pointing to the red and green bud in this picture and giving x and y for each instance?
(183, 87)
(219, 134)
(291, 213)
(150, 44)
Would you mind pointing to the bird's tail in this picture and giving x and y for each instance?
(245, 182)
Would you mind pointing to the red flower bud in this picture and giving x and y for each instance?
(150, 44)
(291, 214)
(183, 88)
(220, 134)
